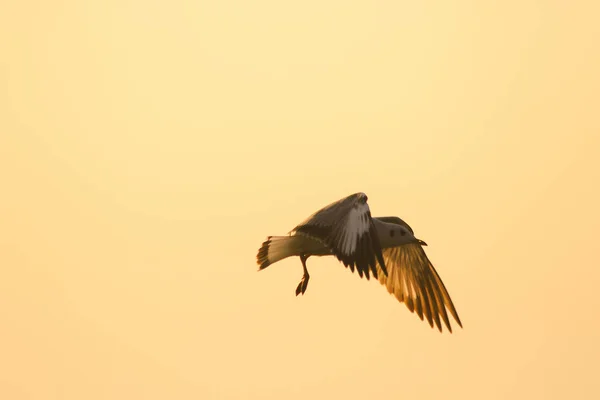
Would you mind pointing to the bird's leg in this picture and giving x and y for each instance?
(304, 282)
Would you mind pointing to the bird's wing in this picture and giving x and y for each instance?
(347, 229)
(414, 281)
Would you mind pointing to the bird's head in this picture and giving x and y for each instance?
(393, 231)
(399, 235)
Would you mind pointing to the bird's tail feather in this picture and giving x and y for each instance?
(276, 248)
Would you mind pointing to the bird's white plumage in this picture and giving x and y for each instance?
(357, 224)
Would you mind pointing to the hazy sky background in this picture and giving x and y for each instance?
(147, 148)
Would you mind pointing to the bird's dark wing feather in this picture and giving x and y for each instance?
(346, 227)
(414, 281)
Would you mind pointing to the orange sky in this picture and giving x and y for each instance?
(147, 149)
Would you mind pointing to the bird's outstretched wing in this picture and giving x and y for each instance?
(347, 229)
(414, 281)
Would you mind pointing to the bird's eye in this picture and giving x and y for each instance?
(392, 233)
(402, 232)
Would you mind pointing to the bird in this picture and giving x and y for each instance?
(384, 247)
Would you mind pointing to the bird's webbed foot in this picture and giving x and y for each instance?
(304, 282)
(302, 285)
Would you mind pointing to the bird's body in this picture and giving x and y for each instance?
(384, 247)
(295, 245)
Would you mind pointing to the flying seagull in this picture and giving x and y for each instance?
(384, 247)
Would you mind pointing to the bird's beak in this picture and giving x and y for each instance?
(422, 243)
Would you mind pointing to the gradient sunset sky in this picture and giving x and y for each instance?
(147, 148)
